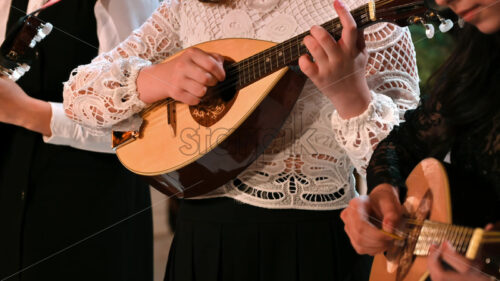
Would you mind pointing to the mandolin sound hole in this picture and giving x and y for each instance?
(216, 103)
(212, 108)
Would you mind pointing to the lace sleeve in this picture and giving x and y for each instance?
(424, 134)
(104, 92)
(393, 79)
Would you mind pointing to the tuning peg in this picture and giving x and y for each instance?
(446, 25)
(42, 33)
(15, 75)
(46, 29)
(461, 22)
(25, 67)
(19, 71)
(429, 30)
(33, 43)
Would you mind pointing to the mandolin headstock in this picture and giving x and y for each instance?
(488, 255)
(17, 51)
(400, 12)
(410, 12)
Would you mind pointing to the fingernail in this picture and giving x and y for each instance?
(340, 3)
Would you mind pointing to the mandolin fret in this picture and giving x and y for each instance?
(436, 233)
(286, 53)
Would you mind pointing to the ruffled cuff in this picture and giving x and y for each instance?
(103, 93)
(381, 110)
(127, 70)
(359, 135)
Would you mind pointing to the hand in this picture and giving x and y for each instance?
(382, 203)
(184, 78)
(17, 108)
(338, 69)
(464, 269)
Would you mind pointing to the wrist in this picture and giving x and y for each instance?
(351, 100)
(37, 117)
(145, 84)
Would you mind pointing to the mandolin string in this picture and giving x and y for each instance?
(293, 43)
(330, 25)
(244, 66)
(254, 60)
(227, 84)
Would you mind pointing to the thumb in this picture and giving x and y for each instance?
(391, 220)
(390, 211)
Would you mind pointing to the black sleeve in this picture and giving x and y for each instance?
(424, 134)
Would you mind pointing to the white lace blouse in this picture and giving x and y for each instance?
(310, 164)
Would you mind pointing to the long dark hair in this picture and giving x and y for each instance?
(467, 86)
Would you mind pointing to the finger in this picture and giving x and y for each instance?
(436, 269)
(452, 258)
(201, 76)
(365, 246)
(362, 221)
(220, 61)
(307, 66)
(194, 88)
(219, 58)
(210, 63)
(349, 27)
(363, 235)
(386, 205)
(326, 41)
(185, 97)
(315, 48)
(390, 222)
(489, 227)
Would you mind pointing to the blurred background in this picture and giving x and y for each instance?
(431, 53)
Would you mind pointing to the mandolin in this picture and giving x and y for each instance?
(428, 220)
(186, 151)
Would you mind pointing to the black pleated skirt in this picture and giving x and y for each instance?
(222, 239)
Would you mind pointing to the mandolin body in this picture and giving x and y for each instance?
(428, 175)
(197, 158)
(428, 205)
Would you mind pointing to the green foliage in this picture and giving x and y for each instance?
(431, 53)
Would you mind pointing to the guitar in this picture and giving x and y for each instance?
(429, 221)
(17, 51)
(190, 150)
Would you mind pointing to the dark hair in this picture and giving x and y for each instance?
(467, 86)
